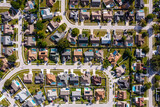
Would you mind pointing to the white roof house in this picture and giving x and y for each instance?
(106, 39)
(22, 95)
(51, 94)
(46, 13)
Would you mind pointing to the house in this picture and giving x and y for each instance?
(96, 15)
(121, 95)
(64, 93)
(86, 79)
(71, 39)
(62, 79)
(77, 55)
(39, 98)
(52, 94)
(32, 54)
(30, 41)
(52, 26)
(57, 36)
(84, 2)
(29, 30)
(114, 57)
(46, 14)
(95, 3)
(84, 15)
(123, 84)
(96, 80)
(107, 15)
(43, 54)
(31, 18)
(6, 40)
(50, 2)
(5, 16)
(120, 70)
(7, 29)
(139, 101)
(106, 39)
(108, 3)
(117, 40)
(88, 93)
(39, 79)
(5, 65)
(139, 53)
(139, 77)
(76, 95)
(54, 55)
(7, 51)
(15, 85)
(140, 14)
(22, 95)
(99, 94)
(129, 40)
(29, 6)
(138, 89)
(89, 55)
(94, 40)
(50, 79)
(139, 4)
(99, 55)
(121, 104)
(130, 15)
(82, 40)
(139, 66)
(29, 103)
(73, 2)
(66, 55)
(27, 78)
(139, 40)
(73, 80)
(119, 16)
(74, 15)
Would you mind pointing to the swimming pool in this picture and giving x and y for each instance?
(34, 50)
(42, 12)
(72, 6)
(67, 50)
(53, 83)
(133, 88)
(78, 89)
(39, 92)
(90, 50)
(97, 51)
(17, 83)
(134, 68)
(94, 44)
(79, 50)
(34, 39)
(84, 45)
(53, 89)
(42, 49)
(60, 84)
(53, 38)
(33, 102)
(87, 89)
(31, 6)
(130, 44)
(53, 49)
(115, 53)
(141, 11)
(84, 10)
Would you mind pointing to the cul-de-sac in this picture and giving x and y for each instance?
(80, 53)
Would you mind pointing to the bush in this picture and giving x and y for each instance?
(157, 77)
(62, 44)
(144, 34)
(145, 49)
(39, 25)
(42, 44)
(147, 85)
(16, 4)
(62, 28)
(7, 84)
(12, 58)
(143, 23)
(106, 63)
(75, 32)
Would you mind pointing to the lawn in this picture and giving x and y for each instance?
(57, 6)
(5, 103)
(3, 10)
(145, 1)
(56, 72)
(146, 10)
(42, 3)
(99, 33)
(78, 72)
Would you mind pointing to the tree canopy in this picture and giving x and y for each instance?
(42, 44)
(16, 4)
(7, 84)
(128, 53)
(143, 23)
(63, 43)
(75, 32)
(155, 62)
(39, 25)
(145, 49)
(147, 85)
(1, 63)
(106, 63)
(12, 58)
(41, 34)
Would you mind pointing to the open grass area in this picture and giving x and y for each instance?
(3, 9)
(42, 3)
(57, 6)
(5, 103)
(99, 33)
(146, 10)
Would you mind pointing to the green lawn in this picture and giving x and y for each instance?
(43, 3)
(99, 33)
(57, 6)
(5, 103)
(145, 1)
(146, 10)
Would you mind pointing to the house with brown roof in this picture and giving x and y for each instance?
(43, 54)
(121, 104)
(51, 79)
(120, 70)
(96, 80)
(84, 15)
(7, 29)
(129, 40)
(52, 26)
(86, 79)
(122, 95)
(27, 78)
(77, 55)
(139, 101)
(29, 30)
(88, 93)
(99, 55)
(5, 64)
(29, 6)
(30, 41)
(139, 40)
(64, 93)
(94, 40)
(99, 94)
(139, 66)
(32, 54)
(50, 2)
(7, 51)
(84, 2)
(107, 15)
(114, 57)
(73, 2)
(108, 3)
(96, 15)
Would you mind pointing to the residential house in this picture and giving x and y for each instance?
(74, 15)
(46, 14)
(139, 4)
(54, 55)
(120, 71)
(43, 54)
(39, 79)
(27, 78)
(89, 55)
(96, 80)
(123, 84)
(125, 5)
(138, 89)
(96, 15)
(119, 16)
(139, 77)
(121, 104)
(107, 15)
(64, 93)
(15, 85)
(29, 6)
(57, 36)
(84, 2)
(66, 55)
(94, 40)
(139, 53)
(114, 57)
(52, 26)
(139, 40)
(130, 15)
(39, 98)
(139, 101)
(32, 54)
(73, 79)
(62, 79)
(139, 66)
(122, 95)
(22, 95)
(140, 14)
(99, 55)
(7, 51)
(86, 79)
(77, 55)
(95, 3)
(29, 30)
(50, 79)
(5, 65)
(73, 2)
(6, 40)
(7, 29)
(82, 40)
(30, 41)
(50, 2)
(5, 16)
(108, 3)
(71, 39)
(52, 94)
(76, 95)
(84, 15)
(31, 18)
(106, 39)
(129, 40)
(88, 93)
(99, 94)
(29, 103)
(117, 40)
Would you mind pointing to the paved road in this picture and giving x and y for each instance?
(0, 44)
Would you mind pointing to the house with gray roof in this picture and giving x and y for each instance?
(94, 40)
(52, 26)
(74, 14)
(7, 51)
(39, 98)
(139, 77)
(30, 41)
(39, 78)
(52, 94)
(106, 39)
(62, 79)
(76, 95)
(5, 17)
(22, 95)
(73, 79)
(66, 55)
(89, 55)
(86, 79)
(29, 103)
(82, 40)
(6, 40)
(46, 13)
(139, 53)
(139, 4)
(95, 3)
(57, 36)
(139, 89)
(123, 84)
(15, 86)
(119, 16)
(64, 93)
(140, 14)
(54, 55)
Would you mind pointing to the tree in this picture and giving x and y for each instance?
(62, 44)
(147, 85)
(144, 34)
(16, 4)
(157, 77)
(150, 16)
(12, 58)
(156, 28)
(39, 25)
(143, 23)
(41, 34)
(128, 53)
(155, 62)
(75, 32)
(1, 63)
(42, 44)
(1, 74)
(124, 38)
(7, 84)
(106, 63)
(145, 49)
